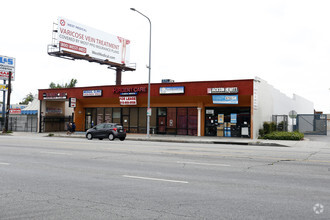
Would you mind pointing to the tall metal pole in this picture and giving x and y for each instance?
(8, 103)
(3, 106)
(149, 67)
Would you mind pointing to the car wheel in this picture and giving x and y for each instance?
(121, 139)
(111, 137)
(89, 136)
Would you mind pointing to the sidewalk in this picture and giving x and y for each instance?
(180, 139)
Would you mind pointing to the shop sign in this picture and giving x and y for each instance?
(7, 64)
(171, 90)
(15, 111)
(3, 87)
(222, 90)
(72, 102)
(128, 100)
(92, 93)
(225, 99)
(129, 90)
(51, 110)
(55, 95)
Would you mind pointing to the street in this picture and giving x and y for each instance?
(74, 178)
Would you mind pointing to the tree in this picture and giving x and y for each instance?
(71, 84)
(28, 98)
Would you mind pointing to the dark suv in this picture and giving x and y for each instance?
(106, 130)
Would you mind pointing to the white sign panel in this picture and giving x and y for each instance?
(92, 93)
(127, 100)
(83, 40)
(222, 90)
(7, 64)
(171, 90)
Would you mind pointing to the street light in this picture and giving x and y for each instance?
(149, 67)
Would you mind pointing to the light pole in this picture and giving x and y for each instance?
(149, 67)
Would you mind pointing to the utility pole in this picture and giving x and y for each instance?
(3, 105)
(8, 103)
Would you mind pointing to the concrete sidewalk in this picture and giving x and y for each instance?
(179, 139)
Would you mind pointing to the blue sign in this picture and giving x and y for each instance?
(7, 60)
(128, 93)
(171, 90)
(92, 93)
(225, 99)
(233, 118)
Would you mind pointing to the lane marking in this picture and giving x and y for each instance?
(205, 164)
(50, 152)
(155, 179)
(6, 164)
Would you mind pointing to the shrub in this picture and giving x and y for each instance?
(269, 127)
(283, 135)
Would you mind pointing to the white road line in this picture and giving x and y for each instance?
(155, 179)
(58, 153)
(205, 164)
(6, 164)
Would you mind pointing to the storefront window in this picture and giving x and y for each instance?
(226, 122)
(108, 115)
(100, 115)
(133, 120)
(142, 120)
(116, 115)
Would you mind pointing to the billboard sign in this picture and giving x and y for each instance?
(7, 64)
(225, 99)
(83, 40)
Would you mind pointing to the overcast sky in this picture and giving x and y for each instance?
(286, 43)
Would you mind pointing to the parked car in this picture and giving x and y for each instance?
(106, 130)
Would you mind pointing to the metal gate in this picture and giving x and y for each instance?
(312, 124)
(26, 123)
(54, 123)
(281, 122)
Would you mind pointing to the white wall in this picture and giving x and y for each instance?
(271, 101)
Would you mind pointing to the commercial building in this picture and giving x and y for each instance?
(231, 108)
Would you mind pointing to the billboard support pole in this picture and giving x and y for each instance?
(8, 103)
(118, 76)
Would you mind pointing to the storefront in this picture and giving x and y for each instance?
(210, 108)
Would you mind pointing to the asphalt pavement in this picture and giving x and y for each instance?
(76, 178)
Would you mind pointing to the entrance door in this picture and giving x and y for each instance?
(88, 121)
(162, 124)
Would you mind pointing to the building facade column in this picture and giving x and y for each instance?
(199, 122)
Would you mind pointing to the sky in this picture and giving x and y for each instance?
(285, 42)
